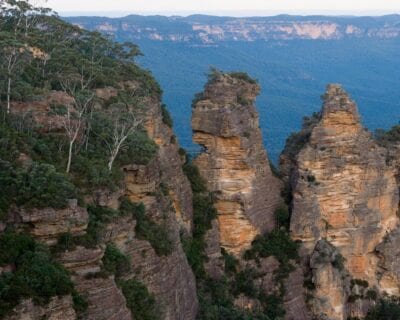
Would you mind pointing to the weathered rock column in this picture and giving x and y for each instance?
(343, 193)
(234, 162)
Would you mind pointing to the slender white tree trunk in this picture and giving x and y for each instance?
(71, 144)
(114, 152)
(111, 161)
(8, 94)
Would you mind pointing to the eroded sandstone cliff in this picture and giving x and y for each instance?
(167, 197)
(346, 195)
(234, 162)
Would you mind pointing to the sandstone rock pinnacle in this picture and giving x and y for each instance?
(235, 163)
(345, 193)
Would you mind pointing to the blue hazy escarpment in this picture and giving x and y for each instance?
(292, 73)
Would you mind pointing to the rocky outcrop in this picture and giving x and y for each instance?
(172, 175)
(45, 114)
(295, 296)
(82, 261)
(105, 299)
(166, 194)
(234, 162)
(214, 265)
(48, 224)
(331, 282)
(346, 194)
(389, 263)
(59, 308)
(169, 277)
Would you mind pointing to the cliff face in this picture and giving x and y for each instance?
(209, 29)
(344, 193)
(57, 308)
(172, 175)
(166, 194)
(235, 163)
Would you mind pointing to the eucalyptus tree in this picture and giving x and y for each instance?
(17, 22)
(119, 123)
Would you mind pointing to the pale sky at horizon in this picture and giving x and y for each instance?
(219, 7)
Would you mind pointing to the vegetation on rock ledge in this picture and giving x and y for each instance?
(35, 274)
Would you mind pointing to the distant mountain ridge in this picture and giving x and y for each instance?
(213, 29)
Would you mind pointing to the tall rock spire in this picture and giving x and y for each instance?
(345, 194)
(235, 163)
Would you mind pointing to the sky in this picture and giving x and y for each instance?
(225, 7)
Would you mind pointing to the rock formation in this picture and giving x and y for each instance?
(56, 309)
(164, 190)
(170, 165)
(234, 162)
(346, 195)
(168, 277)
(48, 224)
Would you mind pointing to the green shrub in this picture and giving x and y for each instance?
(182, 152)
(42, 186)
(231, 263)
(243, 76)
(353, 298)
(65, 242)
(115, 262)
(166, 117)
(386, 138)
(58, 109)
(203, 214)
(359, 282)
(164, 189)
(283, 216)
(276, 243)
(338, 262)
(311, 179)
(309, 284)
(386, 309)
(38, 186)
(244, 283)
(147, 229)
(197, 98)
(11, 142)
(140, 150)
(372, 295)
(36, 275)
(80, 303)
(242, 100)
(213, 75)
(196, 180)
(296, 141)
(90, 173)
(216, 302)
(13, 246)
(7, 187)
(98, 218)
(138, 299)
(273, 306)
